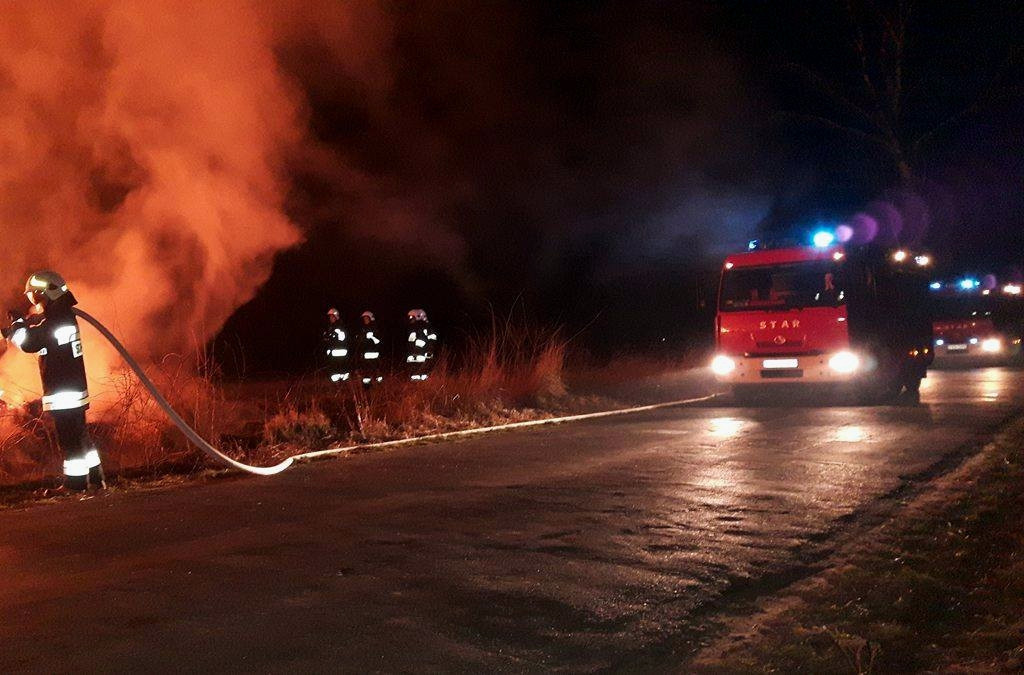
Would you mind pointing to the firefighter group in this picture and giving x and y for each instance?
(362, 356)
(50, 330)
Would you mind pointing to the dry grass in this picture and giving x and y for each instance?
(26, 451)
(135, 435)
(301, 429)
(499, 378)
(510, 373)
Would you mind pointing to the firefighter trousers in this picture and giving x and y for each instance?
(81, 459)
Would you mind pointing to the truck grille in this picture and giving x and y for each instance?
(782, 372)
(770, 344)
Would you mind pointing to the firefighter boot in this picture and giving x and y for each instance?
(76, 483)
(97, 480)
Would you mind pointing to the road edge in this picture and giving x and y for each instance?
(446, 435)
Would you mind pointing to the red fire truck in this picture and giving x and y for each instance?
(827, 314)
(975, 326)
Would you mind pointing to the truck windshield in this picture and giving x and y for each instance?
(1007, 314)
(970, 307)
(813, 283)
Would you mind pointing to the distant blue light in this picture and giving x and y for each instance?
(969, 284)
(753, 244)
(823, 238)
(935, 285)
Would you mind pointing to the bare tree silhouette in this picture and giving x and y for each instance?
(871, 104)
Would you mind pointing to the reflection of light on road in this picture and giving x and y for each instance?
(993, 384)
(717, 480)
(852, 434)
(722, 482)
(726, 427)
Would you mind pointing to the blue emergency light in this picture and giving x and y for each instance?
(823, 238)
(969, 284)
(935, 285)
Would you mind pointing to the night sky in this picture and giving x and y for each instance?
(589, 163)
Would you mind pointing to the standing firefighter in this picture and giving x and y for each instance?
(369, 346)
(335, 348)
(421, 346)
(51, 331)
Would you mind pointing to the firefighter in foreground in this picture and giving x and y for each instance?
(335, 348)
(51, 331)
(369, 351)
(421, 346)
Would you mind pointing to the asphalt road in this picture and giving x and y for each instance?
(603, 544)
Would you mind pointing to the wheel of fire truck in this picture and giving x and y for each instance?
(893, 381)
(911, 394)
(883, 385)
(879, 393)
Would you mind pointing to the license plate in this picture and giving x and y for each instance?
(770, 364)
(956, 348)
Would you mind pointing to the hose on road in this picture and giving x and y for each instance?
(188, 431)
(218, 456)
(544, 421)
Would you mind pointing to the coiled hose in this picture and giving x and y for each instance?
(189, 432)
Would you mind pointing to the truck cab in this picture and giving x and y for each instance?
(845, 316)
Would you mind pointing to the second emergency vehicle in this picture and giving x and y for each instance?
(977, 326)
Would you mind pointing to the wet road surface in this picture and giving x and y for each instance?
(602, 544)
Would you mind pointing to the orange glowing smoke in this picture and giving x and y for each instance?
(141, 152)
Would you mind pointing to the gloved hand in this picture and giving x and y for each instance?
(15, 320)
(12, 316)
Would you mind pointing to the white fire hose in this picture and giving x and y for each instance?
(189, 432)
(217, 455)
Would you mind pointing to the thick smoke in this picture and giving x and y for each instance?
(498, 140)
(141, 154)
(159, 154)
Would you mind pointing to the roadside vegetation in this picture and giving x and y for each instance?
(508, 374)
(939, 588)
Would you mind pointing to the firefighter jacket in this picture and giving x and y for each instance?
(335, 343)
(369, 344)
(334, 351)
(54, 337)
(421, 343)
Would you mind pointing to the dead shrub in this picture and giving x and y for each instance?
(26, 451)
(135, 433)
(305, 429)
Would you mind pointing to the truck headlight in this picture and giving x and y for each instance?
(722, 365)
(991, 345)
(844, 362)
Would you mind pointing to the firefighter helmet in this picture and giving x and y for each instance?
(368, 317)
(417, 315)
(45, 285)
(333, 314)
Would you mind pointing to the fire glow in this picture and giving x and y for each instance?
(143, 160)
